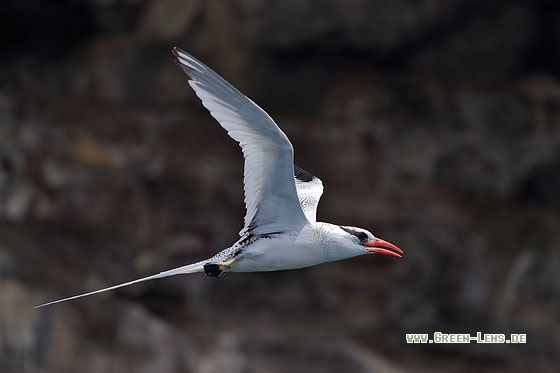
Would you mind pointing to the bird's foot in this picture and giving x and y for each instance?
(217, 269)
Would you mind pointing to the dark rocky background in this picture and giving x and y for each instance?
(436, 123)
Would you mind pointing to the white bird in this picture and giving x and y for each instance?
(281, 231)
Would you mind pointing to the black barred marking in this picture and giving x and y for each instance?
(302, 175)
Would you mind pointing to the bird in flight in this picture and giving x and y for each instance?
(281, 231)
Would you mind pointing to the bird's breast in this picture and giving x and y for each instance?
(280, 252)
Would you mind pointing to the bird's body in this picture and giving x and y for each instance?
(281, 231)
(314, 244)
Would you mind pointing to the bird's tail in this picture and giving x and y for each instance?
(191, 268)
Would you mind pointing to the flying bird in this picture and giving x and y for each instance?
(280, 231)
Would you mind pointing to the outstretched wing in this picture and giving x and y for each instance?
(271, 198)
(309, 190)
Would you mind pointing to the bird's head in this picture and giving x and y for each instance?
(371, 244)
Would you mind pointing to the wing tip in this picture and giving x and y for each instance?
(303, 175)
(178, 52)
(185, 61)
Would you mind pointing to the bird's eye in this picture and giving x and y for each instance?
(363, 237)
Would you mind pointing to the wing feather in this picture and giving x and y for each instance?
(271, 198)
(309, 190)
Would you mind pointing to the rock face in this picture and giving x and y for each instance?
(434, 123)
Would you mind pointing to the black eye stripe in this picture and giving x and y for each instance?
(362, 236)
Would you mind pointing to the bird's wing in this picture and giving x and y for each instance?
(309, 190)
(271, 198)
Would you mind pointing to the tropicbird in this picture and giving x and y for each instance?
(281, 231)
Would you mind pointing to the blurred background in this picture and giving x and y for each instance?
(433, 123)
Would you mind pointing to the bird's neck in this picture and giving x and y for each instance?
(335, 242)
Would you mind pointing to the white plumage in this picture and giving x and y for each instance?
(280, 231)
